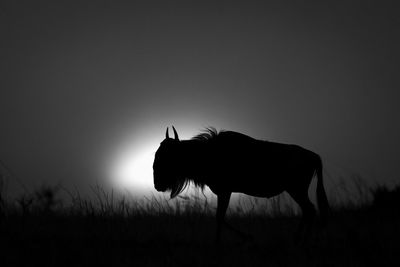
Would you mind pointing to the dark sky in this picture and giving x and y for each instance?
(81, 80)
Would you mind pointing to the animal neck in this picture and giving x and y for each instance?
(194, 156)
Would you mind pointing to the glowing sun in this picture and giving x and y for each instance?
(133, 168)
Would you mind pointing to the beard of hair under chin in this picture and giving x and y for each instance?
(177, 188)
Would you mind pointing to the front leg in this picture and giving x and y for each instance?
(222, 206)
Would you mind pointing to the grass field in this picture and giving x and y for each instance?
(38, 230)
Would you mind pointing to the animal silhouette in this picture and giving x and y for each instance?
(228, 162)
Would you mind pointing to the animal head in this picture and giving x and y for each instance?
(166, 170)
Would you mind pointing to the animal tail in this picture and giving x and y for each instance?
(322, 199)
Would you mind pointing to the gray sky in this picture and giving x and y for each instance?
(81, 80)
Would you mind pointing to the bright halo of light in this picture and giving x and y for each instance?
(133, 168)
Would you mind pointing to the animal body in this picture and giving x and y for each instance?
(230, 162)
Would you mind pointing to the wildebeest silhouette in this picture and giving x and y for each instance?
(228, 161)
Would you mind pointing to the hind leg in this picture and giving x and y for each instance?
(308, 214)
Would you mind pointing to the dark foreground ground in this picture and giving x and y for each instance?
(358, 236)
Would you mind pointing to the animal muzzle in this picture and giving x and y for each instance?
(160, 188)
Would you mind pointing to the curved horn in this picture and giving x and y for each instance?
(167, 134)
(175, 134)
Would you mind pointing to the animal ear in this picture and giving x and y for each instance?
(167, 134)
(175, 134)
